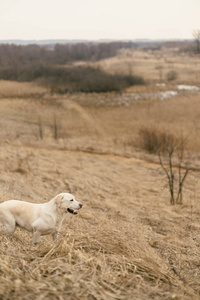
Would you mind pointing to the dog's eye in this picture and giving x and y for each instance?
(72, 200)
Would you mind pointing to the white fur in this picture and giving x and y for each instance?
(45, 218)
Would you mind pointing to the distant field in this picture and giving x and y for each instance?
(127, 242)
(155, 66)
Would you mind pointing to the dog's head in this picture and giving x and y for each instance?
(67, 202)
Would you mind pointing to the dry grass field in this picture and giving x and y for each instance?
(155, 65)
(127, 242)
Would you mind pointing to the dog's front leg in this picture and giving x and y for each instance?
(36, 236)
(55, 235)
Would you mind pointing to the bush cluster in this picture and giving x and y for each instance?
(172, 75)
(155, 141)
(70, 79)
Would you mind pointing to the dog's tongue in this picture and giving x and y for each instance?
(71, 211)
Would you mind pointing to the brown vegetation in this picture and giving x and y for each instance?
(127, 242)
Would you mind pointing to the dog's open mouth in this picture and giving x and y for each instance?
(72, 211)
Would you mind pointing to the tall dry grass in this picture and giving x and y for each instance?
(86, 263)
(83, 124)
(21, 89)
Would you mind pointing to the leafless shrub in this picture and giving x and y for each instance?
(196, 35)
(40, 128)
(171, 169)
(23, 163)
(171, 153)
(152, 139)
(172, 75)
(55, 128)
(160, 72)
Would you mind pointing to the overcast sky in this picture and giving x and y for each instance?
(98, 19)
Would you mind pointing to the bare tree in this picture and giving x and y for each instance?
(196, 35)
(55, 128)
(171, 169)
(40, 127)
(160, 72)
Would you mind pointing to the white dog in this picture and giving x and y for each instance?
(40, 218)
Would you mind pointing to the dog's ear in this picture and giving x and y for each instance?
(58, 200)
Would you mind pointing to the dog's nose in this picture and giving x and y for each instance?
(80, 205)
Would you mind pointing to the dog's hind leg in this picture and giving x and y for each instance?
(8, 225)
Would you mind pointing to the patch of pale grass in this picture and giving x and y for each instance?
(20, 89)
(154, 65)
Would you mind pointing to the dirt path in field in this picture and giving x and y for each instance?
(145, 161)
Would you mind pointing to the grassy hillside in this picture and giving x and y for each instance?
(127, 242)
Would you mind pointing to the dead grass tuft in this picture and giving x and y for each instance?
(92, 264)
